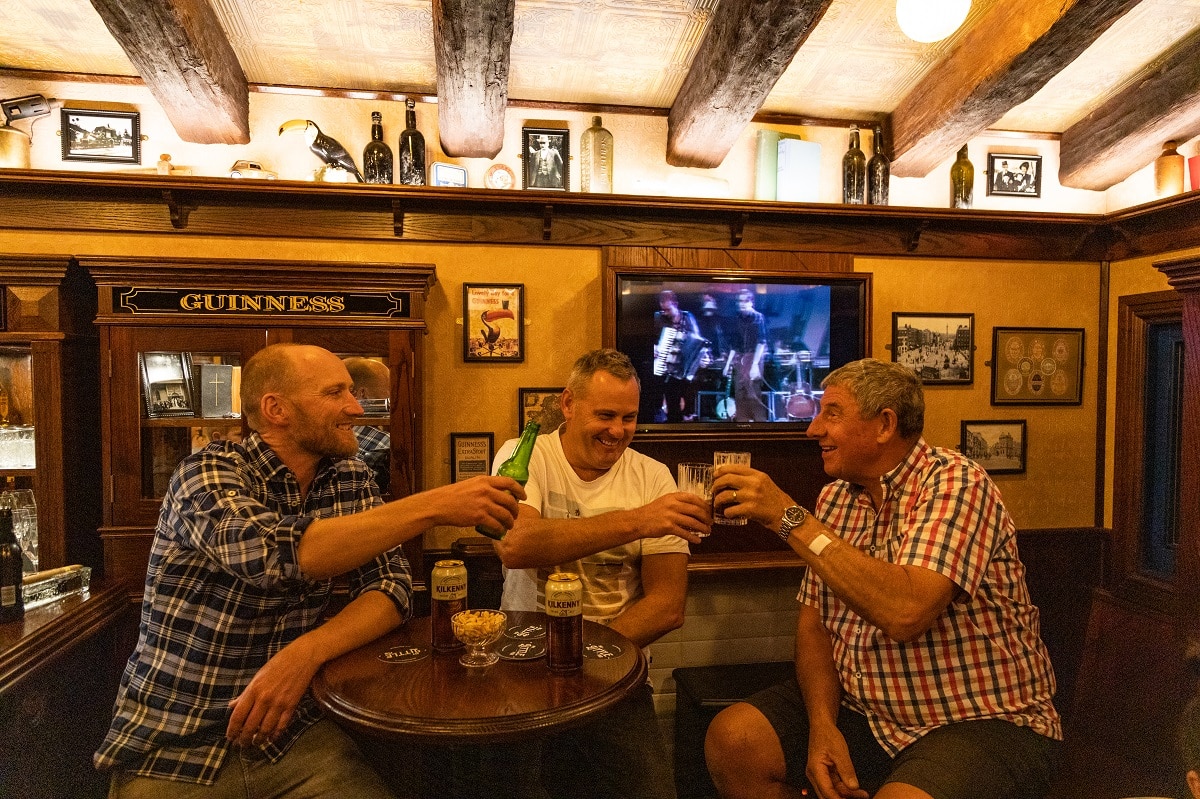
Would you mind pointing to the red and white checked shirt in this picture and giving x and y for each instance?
(984, 657)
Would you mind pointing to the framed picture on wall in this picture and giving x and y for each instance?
(998, 445)
(1037, 366)
(1014, 175)
(546, 152)
(541, 404)
(470, 455)
(112, 136)
(493, 322)
(940, 347)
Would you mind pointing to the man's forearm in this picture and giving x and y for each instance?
(536, 542)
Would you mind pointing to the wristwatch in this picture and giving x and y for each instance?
(793, 517)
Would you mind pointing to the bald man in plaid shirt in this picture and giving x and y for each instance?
(920, 670)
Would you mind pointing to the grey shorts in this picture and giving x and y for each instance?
(984, 759)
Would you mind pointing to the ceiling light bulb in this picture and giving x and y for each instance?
(931, 20)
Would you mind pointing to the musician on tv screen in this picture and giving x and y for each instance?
(745, 360)
(678, 356)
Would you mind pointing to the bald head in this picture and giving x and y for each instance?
(277, 369)
(372, 379)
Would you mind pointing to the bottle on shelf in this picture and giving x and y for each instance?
(1168, 171)
(377, 156)
(962, 181)
(412, 148)
(12, 601)
(879, 170)
(854, 172)
(596, 150)
(517, 466)
(3, 405)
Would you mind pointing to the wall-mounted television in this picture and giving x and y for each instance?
(738, 351)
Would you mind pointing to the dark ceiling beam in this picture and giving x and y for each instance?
(471, 42)
(747, 47)
(1002, 61)
(183, 55)
(1128, 131)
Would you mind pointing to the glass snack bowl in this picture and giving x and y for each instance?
(478, 629)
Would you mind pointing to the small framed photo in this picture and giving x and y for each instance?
(1037, 366)
(471, 455)
(541, 404)
(546, 152)
(112, 136)
(1014, 175)
(167, 384)
(493, 322)
(998, 445)
(938, 347)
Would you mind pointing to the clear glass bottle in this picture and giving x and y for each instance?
(879, 170)
(854, 172)
(962, 181)
(1168, 171)
(412, 149)
(377, 156)
(596, 150)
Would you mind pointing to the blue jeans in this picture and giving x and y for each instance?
(323, 763)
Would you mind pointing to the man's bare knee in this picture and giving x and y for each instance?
(743, 752)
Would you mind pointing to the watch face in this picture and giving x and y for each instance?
(794, 514)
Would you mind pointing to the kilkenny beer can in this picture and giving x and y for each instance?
(564, 612)
(448, 595)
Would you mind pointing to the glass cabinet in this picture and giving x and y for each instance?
(49, 409)
(172, 357)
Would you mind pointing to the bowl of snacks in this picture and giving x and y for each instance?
(478, 629)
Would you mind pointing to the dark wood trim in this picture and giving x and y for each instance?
(1102, 322)
(51, 631)
(123, 203)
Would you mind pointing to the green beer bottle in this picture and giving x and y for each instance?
(517, 466)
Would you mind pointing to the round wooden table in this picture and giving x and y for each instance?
(436, 700)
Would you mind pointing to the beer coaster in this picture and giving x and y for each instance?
(522, 650)
(601, 651)
(404, 654)
(526, 632)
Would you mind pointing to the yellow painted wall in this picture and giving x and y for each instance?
(1058, 486)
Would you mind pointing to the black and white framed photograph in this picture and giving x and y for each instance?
(493, 322)
(471, 455)
(939, 347)
(112, 136)
(547, 157)
(998, 445)
(1037, 366)
(1014, 175)
(541, 404)
(167, 384)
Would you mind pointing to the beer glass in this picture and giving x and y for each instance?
(742, 458)
(696, 478)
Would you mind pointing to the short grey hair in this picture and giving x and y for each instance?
(876, 385)
(615, 362)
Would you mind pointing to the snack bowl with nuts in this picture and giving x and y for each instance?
(478, 629)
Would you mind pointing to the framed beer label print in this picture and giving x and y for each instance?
(493, 322)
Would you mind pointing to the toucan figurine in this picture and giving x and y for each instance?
(327, 148)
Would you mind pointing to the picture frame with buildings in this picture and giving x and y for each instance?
(997, 445)
(939, 347)
(107, 136)
(541, 404)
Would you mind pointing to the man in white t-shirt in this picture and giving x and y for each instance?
(614, 516)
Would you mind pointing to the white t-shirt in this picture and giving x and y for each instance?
(612, 578)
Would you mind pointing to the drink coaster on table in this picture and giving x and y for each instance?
(404, 654)
(522, 650)
(526, 632)
(601, 651)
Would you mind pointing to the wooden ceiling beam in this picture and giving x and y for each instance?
(472, 39)
(183, 55)
(1002, 61)
(747, 47)
(1128, 131)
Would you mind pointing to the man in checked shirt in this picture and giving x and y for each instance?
(215, 697)
(920, 670)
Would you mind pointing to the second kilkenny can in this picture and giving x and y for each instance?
(448, 595)
(564, 612)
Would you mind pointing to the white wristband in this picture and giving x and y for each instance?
(819, 543)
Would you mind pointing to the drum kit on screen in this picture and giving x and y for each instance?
(787, 382)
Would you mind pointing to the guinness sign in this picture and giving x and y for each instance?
(386, 305)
